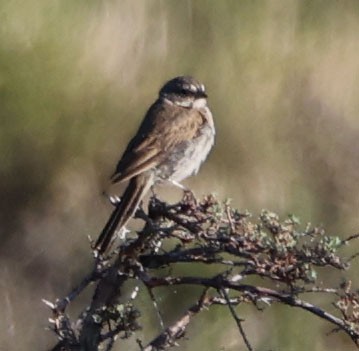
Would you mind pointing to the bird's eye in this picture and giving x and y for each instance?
(183, 91)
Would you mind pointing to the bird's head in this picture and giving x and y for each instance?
(184, 91)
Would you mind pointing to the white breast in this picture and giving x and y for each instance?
(198, 150)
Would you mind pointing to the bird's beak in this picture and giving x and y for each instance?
(202, 94)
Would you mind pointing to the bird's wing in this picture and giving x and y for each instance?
(161, 130)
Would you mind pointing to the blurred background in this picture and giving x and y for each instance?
(76, 78)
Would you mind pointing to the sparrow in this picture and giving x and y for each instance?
(174, 138)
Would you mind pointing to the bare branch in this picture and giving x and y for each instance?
(237, 319)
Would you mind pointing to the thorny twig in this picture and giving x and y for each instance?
(211, 233)
(237, 319)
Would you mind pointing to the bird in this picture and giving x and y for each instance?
(174, 138)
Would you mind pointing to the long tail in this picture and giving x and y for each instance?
(136, 189)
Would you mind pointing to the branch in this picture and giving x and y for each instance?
(256, 292)
(212, 233)
(237, 319)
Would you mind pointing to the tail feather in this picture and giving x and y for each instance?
(136, 189)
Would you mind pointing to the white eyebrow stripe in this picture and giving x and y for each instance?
(202, 88)
(193, 88)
